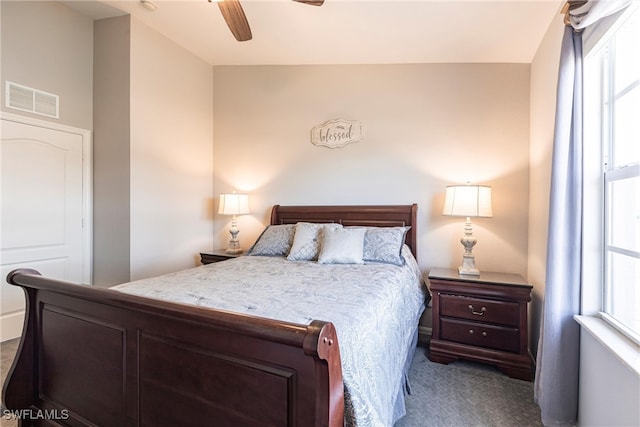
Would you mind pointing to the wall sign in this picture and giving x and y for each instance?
(336, 133)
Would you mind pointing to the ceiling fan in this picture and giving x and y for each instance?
(236, 20)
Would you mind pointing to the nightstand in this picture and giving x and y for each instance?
(217, 256)
(481, 318)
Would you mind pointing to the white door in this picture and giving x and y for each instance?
(43, 207)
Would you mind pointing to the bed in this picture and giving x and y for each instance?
(175, 348)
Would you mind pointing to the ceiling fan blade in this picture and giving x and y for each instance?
(311, 2)
(236, 19)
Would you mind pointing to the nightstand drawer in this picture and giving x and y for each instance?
(479, 309)
(481, 335)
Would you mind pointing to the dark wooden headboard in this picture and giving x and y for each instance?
(372, 216)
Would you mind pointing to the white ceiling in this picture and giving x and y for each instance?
(350, 31)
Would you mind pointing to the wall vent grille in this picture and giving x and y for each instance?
(35, 101)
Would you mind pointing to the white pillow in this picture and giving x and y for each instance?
(306, 241)
(342, 246)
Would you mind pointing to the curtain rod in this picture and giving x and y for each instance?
(568, 7)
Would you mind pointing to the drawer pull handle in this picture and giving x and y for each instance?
(484, 334)
(477, 313)
(471, 331)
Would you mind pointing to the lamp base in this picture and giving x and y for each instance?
(468, 267)
(234, 243)
(468, 272)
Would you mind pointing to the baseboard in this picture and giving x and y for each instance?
(11, 325)
(424, 335)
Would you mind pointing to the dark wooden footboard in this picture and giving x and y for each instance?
(91, 356)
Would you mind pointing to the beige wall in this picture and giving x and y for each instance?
(153, 133)
(171, 154)
(49, 47)
(111, 148)
(544, 78)
(153, 153)
(425, 126)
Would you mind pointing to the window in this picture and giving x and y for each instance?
(612, 75)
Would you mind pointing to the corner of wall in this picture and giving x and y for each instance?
(111, 151)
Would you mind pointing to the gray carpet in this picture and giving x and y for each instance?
(465, 394)
(7, 352)
(460, 394)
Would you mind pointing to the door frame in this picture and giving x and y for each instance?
(87, 184)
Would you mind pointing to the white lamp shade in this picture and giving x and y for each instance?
(234, 204)
(468, 200)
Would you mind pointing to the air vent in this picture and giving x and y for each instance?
(32, 100)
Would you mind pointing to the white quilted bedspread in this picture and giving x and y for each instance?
(374, 307)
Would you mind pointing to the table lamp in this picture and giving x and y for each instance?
(234, 204)
(468, 201)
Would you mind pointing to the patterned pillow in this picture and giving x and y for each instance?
(384, 244)
(342, 246)
(275, 240)
(306, 241)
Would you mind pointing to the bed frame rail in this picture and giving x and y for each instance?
(92, 356)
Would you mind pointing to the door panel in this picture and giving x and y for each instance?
(42, 206)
